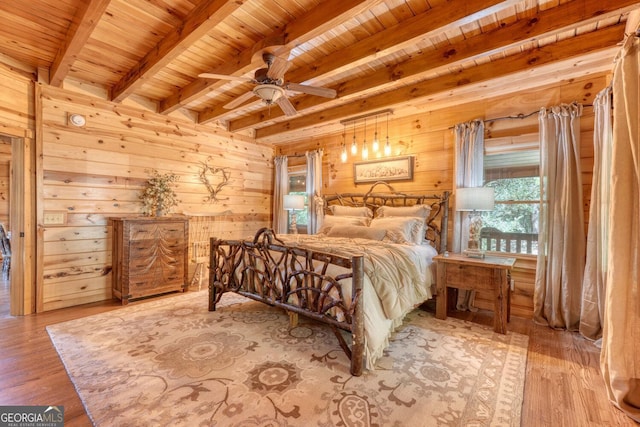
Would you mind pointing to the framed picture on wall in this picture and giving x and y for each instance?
(389, 169)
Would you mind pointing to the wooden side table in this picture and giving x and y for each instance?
(476, 274)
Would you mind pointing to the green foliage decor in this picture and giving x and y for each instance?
(159, 197)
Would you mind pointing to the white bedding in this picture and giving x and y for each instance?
(397, 278)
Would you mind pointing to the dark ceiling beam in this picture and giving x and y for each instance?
(587, 43)
(84, 22)
(198, 23)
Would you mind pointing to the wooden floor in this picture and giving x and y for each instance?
(563, 385)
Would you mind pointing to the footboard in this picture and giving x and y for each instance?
(318, 285)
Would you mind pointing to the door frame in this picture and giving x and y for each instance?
(22, 294)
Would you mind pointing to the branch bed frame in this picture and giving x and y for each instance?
(307, 282)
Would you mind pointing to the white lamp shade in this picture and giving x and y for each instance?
(293, 202)
(475, 199)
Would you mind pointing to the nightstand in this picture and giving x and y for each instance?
(476, 274)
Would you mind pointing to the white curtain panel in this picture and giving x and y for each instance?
(280, 188)
(469, 172)
(620, 356)
(595, 271)
(469, 158)
(561, 239)
(314, 189)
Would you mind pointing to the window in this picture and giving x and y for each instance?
(298, 185)
(513, 224)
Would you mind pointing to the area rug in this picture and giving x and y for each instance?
(170, 362)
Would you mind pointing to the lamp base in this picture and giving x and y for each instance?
(294, 223)
(474, 253)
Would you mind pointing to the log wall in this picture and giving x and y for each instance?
(430, 138)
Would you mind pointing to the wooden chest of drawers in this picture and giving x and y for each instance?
(149, 256)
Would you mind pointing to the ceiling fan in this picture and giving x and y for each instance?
(270, 85)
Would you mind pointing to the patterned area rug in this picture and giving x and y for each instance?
(171, 362)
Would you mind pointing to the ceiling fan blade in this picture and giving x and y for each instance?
(224, 77)
(286, 106)
(312, 90)
(278, 67)
(238, 101)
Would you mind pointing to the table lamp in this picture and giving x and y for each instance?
(293, 203)
(474, 200)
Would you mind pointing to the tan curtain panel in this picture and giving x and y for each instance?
(561, 240)
(595, 271)
(620, 357)
(280, 188)
(314, 189)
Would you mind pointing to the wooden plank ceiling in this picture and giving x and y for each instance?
(407, 55)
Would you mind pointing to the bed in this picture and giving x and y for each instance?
(368, 266)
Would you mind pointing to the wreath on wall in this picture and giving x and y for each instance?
(214, 179)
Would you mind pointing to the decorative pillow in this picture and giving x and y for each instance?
(401, 229)
(357, 232)
(330, 221)
(421, 211)
(339, 210)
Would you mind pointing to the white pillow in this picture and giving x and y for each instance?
(357, 232)
(330, 221)
(421, 211)
(401, 229)
(339, 210)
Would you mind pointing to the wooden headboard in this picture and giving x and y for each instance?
(436, 223)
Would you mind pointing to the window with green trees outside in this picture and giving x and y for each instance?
(513, 224)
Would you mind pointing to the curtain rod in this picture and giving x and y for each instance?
(519, 116)
(522, 116)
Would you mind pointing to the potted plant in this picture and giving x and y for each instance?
(159, 197)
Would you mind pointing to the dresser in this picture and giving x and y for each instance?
(487, 274)
(150, 256)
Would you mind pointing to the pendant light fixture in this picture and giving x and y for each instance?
(376, 149)
(375, 145)
(354, 144)
(343, 155)
(387, 145)
(365, 149)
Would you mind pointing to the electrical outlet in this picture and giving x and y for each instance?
(513, 285)
(55, 218)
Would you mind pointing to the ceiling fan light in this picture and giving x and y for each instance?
(268, 93)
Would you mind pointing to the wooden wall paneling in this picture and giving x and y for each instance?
(98, 171)
(71, 261)
(16, 94)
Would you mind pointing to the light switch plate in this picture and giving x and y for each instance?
(55, 218)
